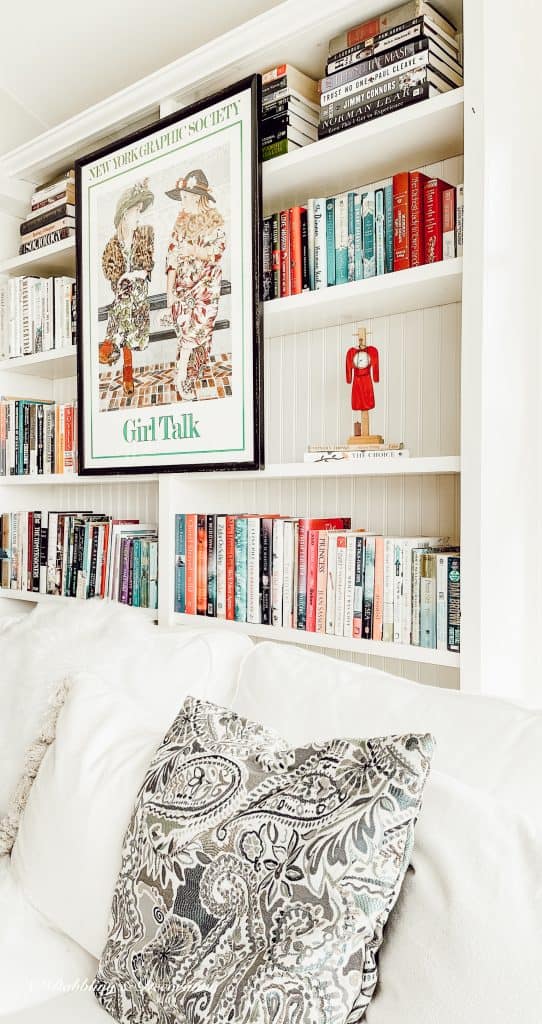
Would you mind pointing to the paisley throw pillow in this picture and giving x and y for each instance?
(256, 879)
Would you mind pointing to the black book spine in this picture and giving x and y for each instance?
(15, 467)
(377, 108)
(361, 51)
(276, 254)
(36, 551)
(43, 219)
(39, 435)
(211, 566)
(268, 280)
(44, 545)
(304, 251)
(93, 563)
(130, 571)
(372, 64)
(454, 604)
(77, 560)
(266, 556)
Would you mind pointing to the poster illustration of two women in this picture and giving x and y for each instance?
(169, 318)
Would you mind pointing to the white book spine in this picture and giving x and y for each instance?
(221, 567)
(253, 570)
(320, 244)
(24, 551)
(288, 581)
(442, 602)
(416, 579)
(277, 578)
(398, 593)
(459, 218)
(406, 614)
(389, 587)
(331, 583)
(350, 576)
(341, 231)
(4, 318)
(340, 584)
(380, 241)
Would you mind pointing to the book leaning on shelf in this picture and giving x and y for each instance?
(405, 221)
(319, 576)
(37, 437)
(37, 314)
(80, 554)
(52, 215)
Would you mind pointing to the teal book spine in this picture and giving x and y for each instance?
(153, 574)
(180, 563)
(428, 602)
(358, 237)
(241, 566)
(341, 239)
(388, 228)
(330, 240)
(368, 211)
(351, 237)
(136, 573)
(380, 240)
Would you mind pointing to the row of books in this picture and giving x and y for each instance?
(406, 55)
(290, 111)
(402, 222)
(320, 576)
(37, 437)
(37, 314)
(52, 214)
(80, 554)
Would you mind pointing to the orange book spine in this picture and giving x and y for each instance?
(68, 439)
(191, 564)
(201, 581)
(378, 599)
(230, 567)
(296, 253)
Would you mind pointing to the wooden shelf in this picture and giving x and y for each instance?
(33, 598)
(73, 480)
(435, 284)
(435, 465)
(413, 137)
(53, 365)
(57, 260)
(377, 648)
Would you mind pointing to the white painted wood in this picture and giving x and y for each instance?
(435, 284)
(57, 259)
(53, 365)
(394, 652)
(329, 471)
(404, 140)
(32, 598)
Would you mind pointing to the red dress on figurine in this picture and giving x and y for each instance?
(362, 365)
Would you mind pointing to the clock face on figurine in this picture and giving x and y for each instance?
(361, 360)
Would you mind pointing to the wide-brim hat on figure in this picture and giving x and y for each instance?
(137, 195)
(196, 183)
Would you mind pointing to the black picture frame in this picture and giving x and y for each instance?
(255, 456)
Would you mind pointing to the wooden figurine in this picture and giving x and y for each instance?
(361, 370)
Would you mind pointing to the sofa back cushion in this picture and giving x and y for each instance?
(492, 745)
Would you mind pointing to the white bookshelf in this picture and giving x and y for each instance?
(414, 317)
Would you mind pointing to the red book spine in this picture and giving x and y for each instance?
(367, 30)
(296, 250)
(401, 222)
(284, 242)
(312, 579)
(433, 191)
(417, 182)
(191, 563)
(230, 567)
(201, 574)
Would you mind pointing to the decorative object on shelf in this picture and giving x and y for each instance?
(362, 368)
(170, 374)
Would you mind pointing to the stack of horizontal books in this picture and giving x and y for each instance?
(290, 111)
(409, 54)
(52, 215)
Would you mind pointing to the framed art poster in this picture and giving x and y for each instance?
(168, 276)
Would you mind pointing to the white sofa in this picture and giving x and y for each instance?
(465, 940)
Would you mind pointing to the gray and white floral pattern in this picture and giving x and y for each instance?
(256, 879)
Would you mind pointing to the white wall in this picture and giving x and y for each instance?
(511, 413)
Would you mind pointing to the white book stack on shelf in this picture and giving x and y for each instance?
(414, 317)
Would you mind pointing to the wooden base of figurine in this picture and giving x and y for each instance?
(360, 439)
